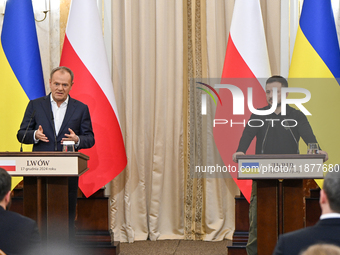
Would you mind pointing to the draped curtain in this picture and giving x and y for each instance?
(147, 197)
(160, 48)
(209, 207)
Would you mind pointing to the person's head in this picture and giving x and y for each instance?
(330, 193)
(278, 82)
(5, 188)
(61, 81)
(322, 249)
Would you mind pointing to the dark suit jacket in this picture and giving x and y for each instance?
(18, 234)
(77, 117)
(324, 231)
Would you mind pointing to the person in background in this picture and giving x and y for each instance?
(326, 230)
(322, 249)
(273, 138)
(55, 118)
(18, 234)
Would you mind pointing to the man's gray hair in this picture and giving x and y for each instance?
(62, 68)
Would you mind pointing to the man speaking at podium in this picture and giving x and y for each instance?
(55, 118)
(273, 138)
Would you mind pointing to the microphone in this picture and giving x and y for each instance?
(29, 123)
(55, 137)
(291, 132)
(264, 139)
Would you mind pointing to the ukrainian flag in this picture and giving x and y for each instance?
(20, 70)
(316, 62)
(250, 168)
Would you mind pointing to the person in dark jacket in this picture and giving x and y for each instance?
(18, 234)
(279, 134)
(326, 230)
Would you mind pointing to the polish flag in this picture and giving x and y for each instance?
(8, 165)
(246, 65)
(84, 53)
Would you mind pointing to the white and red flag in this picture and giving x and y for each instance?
(84, 53)
(246, 65)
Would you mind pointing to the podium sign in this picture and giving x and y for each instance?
(46, 187)
(283, 166)
(280, 202)
(43, 163)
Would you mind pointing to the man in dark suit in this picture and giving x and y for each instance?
(18, 234)
(326, 230)
(55, 118)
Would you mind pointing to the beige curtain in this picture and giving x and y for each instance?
(210, 207)
(147, 197)
(159, 46)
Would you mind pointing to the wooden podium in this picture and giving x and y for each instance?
(280, 203)
(46, 187)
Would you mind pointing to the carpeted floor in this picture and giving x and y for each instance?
(176, 247)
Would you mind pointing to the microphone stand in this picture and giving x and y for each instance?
(29, 123)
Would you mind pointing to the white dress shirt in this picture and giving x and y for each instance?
(58, 116)
(58, 113)
(329, 216)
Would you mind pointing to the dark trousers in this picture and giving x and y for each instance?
(252, 238)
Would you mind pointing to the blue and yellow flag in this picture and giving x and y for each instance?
(316, 66)
(20, 70)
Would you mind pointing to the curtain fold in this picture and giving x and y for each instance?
(209, 203)
(147, 197)
(159, 47)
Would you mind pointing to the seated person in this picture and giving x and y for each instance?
(322, 249)
(326, 230)
(18, 234)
